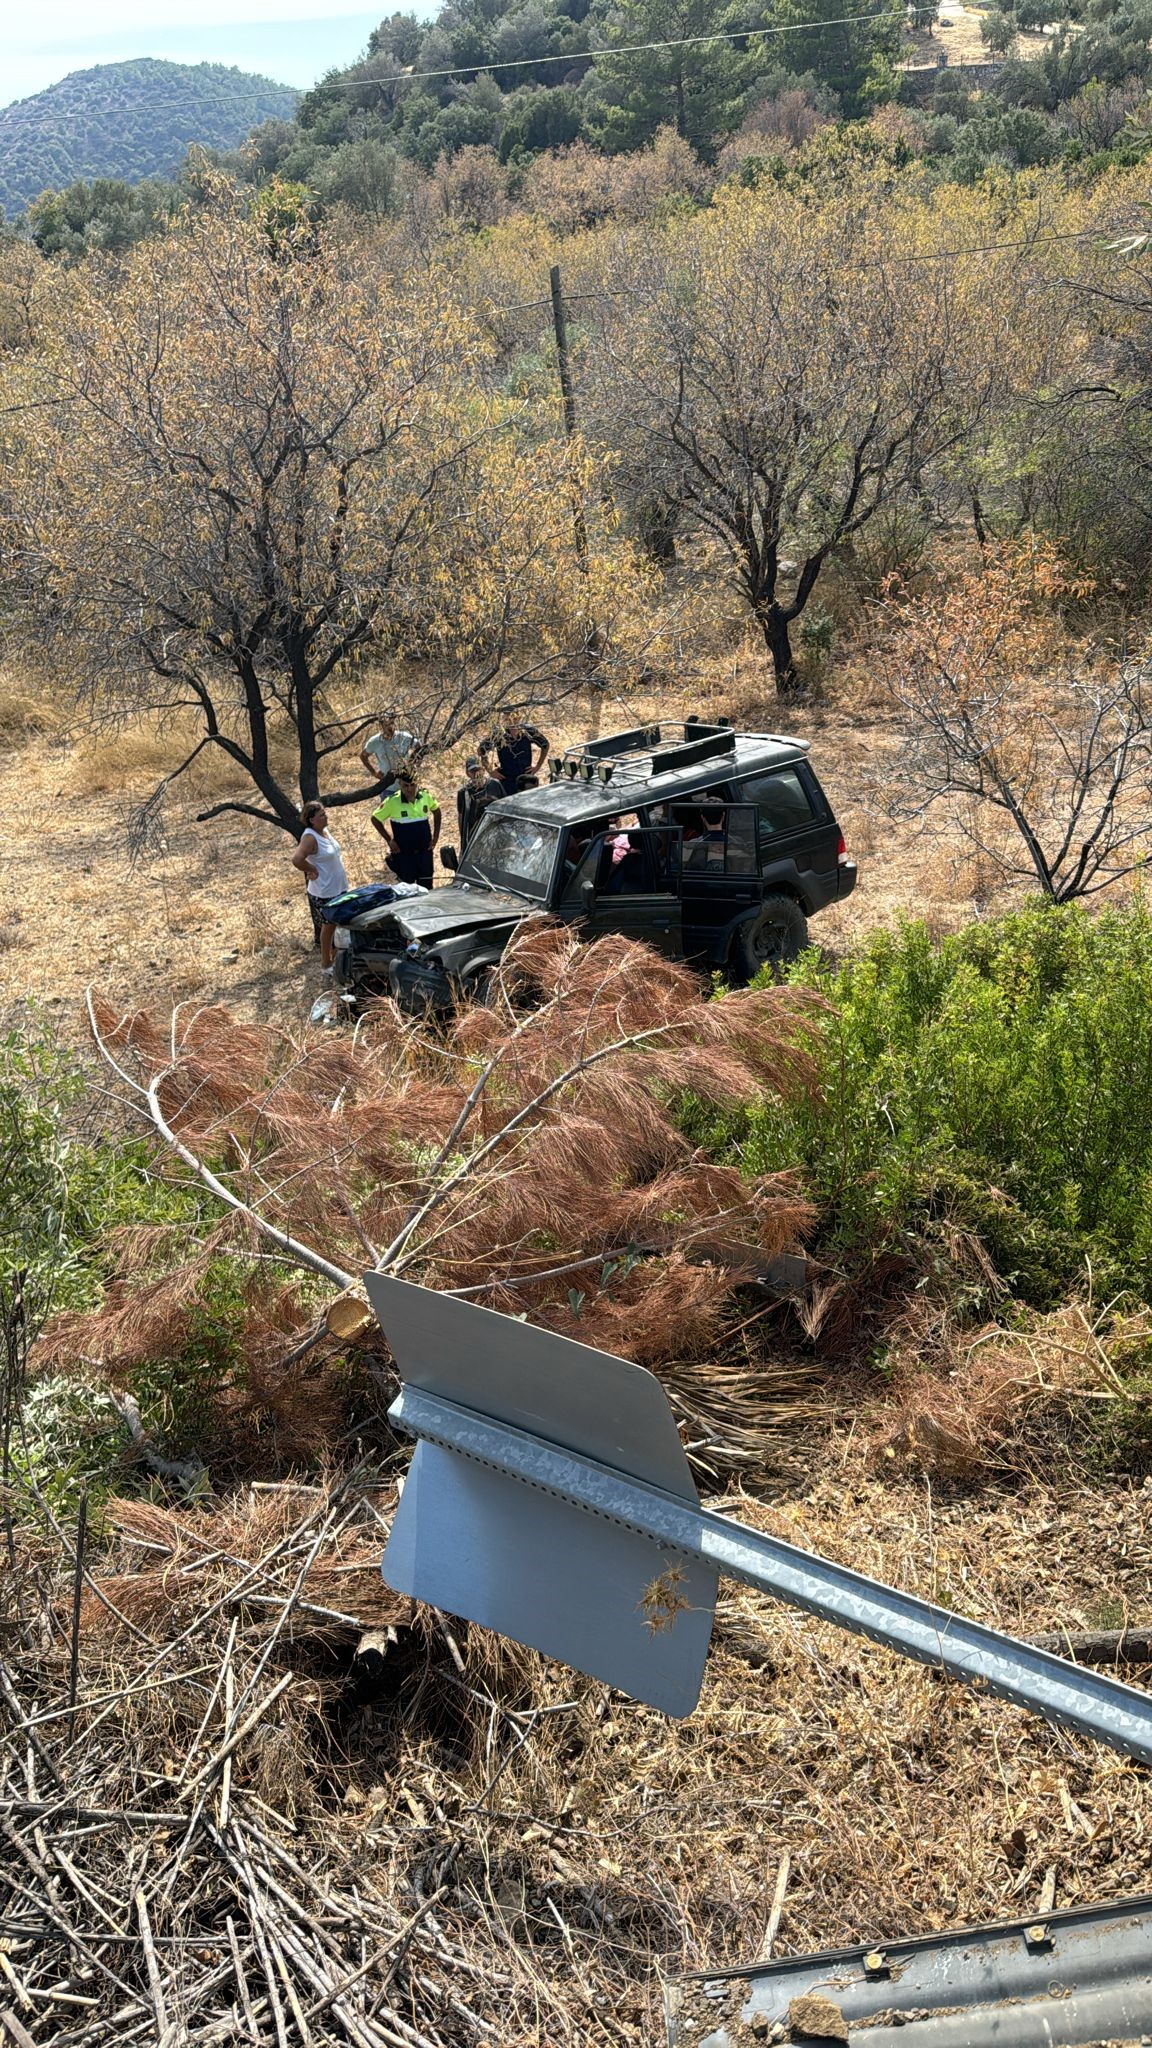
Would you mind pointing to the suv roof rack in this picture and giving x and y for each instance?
(644, 751)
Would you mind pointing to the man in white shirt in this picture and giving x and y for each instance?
(387, 753)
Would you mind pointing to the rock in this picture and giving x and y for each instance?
(816, 2018)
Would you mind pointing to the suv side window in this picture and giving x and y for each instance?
(782, 802)
(623, 861)
(719, 838)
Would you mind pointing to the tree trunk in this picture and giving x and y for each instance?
(774, 624)
(305, 723)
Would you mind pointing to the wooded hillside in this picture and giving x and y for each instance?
(133, 120)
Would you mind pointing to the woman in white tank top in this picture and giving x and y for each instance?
(320, 861)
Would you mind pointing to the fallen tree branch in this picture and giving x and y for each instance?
(189, 1472)
(1099, 1646)
(303, 1253)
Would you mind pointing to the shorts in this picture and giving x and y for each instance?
(320, 906)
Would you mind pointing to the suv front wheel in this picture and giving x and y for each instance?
(772, 938)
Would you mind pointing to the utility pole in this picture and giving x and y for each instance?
(592, 643)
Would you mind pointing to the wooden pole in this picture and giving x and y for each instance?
(77, 1596)
(568, 396)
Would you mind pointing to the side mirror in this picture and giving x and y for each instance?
(449, 859)
(588, 897)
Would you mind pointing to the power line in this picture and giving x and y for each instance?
(853, 269)
(724, 35)
(396, 78)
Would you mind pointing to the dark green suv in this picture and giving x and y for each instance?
(713, 845)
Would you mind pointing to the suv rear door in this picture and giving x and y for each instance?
(719, 881)
(632, 889)
(798, 837)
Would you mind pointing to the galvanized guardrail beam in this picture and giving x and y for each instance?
(1080, 1976)
(550, 1498)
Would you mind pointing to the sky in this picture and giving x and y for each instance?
(292, 41)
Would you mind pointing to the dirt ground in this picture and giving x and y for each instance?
(903, 1804)
(955, 38)
(218, 914)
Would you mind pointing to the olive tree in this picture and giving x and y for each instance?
(779, 368)
(259, 465)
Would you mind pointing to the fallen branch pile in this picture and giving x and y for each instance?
(534, 1162)
(167, 1874)
(239, 1831)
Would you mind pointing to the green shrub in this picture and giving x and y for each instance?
(67, 1187)
(1002, 1076)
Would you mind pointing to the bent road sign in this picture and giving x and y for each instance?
(550, 1498)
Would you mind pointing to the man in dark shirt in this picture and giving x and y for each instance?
(474, 797)
(707, 846)
(512, 746)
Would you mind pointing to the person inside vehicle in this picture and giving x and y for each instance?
(707, 849)
(386, 752)
(474, 797)
(579, 840)
(513, 747)
(321, 863)
(409, 825)
(625, 848)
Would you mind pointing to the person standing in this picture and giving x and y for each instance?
(474, 797)
(321, 863)
(386, 752)
(409, 825)
(512, 745)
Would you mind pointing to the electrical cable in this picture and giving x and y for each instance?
(852, 269)
(403, 77)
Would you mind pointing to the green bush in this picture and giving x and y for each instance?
(65, 1183)
(66, 1186)
(1002, 1076)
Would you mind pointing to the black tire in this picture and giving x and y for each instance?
(492, 984)
(777, 933)
(482, 984)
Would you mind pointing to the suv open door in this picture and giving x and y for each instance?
(627, 879)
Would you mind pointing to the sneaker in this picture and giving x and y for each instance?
(326, 973)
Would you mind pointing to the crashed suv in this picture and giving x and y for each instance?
(712, 845)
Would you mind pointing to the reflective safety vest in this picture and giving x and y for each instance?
(408, 820)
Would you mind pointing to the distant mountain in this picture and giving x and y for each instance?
(130, 121)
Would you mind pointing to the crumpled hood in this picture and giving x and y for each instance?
(440, 912)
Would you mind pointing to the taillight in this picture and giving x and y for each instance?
(841, 849)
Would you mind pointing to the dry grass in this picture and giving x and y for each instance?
(558, 1848)
(977, 1410)
(29, 711)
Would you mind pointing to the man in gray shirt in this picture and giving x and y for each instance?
(387, 753)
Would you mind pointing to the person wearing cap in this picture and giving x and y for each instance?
(409, 825)
(474, 797)
(514, 745)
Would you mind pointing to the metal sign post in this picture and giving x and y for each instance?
(549, 1498)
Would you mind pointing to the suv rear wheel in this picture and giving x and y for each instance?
(772, 938)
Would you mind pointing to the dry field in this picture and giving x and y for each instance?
(519, 1856)
(218, 914)
(955, 39)
(478, 1847)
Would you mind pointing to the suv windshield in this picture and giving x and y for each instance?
(512, 853)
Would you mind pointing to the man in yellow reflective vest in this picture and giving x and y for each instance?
(409, 825)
